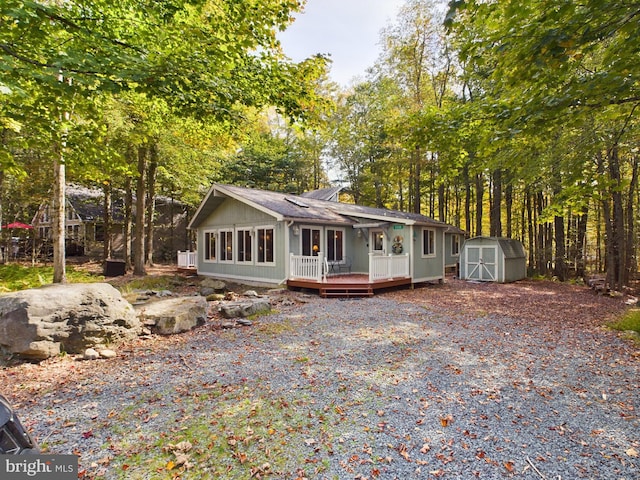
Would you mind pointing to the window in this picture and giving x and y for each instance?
(210, 246)
(265, 245)
(244, 246)
(428, 242)
(335, 245)
(455, 245)
(377, 241)
(226, 246)
(310, 241)
(99, 232)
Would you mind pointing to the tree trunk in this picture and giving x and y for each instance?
(107, 214)
(138, 245)
(128, 223)
(479, 203)
(58, 219)
(495, 219)
(617, 234)
(417, 172)
(559, 265)
(151, 203)
(581, 236)
(629, 260)
(442, 203)
(540, 244)
(467, 199)
(508, 198)
(531, 231)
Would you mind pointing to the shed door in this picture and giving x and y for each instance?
(481, 263)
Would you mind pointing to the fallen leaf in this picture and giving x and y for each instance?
(632, 452)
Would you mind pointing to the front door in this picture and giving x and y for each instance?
(481, 263)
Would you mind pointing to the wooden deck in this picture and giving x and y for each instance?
(348, 285)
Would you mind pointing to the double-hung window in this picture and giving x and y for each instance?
(244, 246)
(428, 242)
(264, 249)
(226, 245)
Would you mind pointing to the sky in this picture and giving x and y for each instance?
(348, 30)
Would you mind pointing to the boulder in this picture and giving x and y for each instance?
(43, 322)
(245, 308)
(174, 315)
(214, 284)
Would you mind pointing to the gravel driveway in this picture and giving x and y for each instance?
(384, 387)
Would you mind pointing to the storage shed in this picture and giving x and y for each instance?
(493, 259)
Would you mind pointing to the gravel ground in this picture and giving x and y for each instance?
(395, 386)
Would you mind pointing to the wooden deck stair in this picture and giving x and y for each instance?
(346, 290)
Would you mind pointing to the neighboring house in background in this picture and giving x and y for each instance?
(84, 224)
(259, 236)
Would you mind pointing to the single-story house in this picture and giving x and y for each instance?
(264, 237)
(493, 259)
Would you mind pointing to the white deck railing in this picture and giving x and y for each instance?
(187, 259)
(385, 267)
(307, 268)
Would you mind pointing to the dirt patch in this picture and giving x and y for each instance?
(528, 300)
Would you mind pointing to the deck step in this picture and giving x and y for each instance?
(346, 291)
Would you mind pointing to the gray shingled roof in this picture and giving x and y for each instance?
(323, 193)
(303, 208)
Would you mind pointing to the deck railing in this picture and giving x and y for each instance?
(307, 268)
(385, 267)
(187, 259)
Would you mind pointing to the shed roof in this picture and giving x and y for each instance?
(284, 206)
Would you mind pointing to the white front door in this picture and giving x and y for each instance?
(481, 263)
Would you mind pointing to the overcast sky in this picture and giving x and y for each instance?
(348, 30)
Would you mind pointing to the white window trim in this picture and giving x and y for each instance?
(433, 233)
(273, 242)
(215, 253)
(252, 249)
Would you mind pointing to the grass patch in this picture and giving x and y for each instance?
(160, 282)
(630, 321)
(276, 329)
(226, 432)
(16, 277)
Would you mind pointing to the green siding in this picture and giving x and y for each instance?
(231, 215)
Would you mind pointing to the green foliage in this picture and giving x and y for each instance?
(16, 277)
(629, 322)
